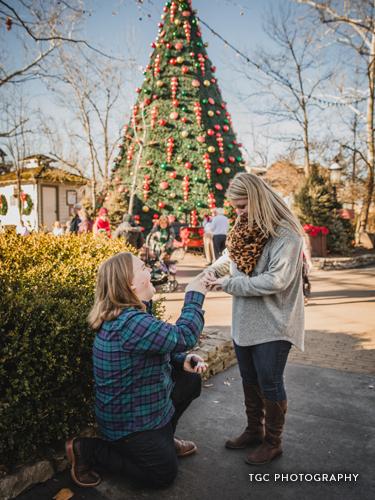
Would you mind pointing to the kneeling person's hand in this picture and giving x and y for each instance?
(194, 364)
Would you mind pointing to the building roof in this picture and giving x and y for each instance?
(43, 173)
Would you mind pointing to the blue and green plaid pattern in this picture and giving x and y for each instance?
(132, 358)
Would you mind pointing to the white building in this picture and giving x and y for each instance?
(47, 193)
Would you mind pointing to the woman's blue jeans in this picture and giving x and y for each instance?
(264, 364)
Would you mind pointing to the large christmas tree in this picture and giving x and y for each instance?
(179, 150)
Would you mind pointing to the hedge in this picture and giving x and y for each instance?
(46, 387)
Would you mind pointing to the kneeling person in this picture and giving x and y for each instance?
(144, 380)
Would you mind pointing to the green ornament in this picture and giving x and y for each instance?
(199, 44)
(204, 101)
(181, 209)
(168, 4)
(174, 34)
(230, 146)
(147, 91)
(200, 204)
(226, 121)
(164, 166)
(183, 93)
(239, 158)
(196, 179)
(194, 21)
(190, 146)
(196, 64)
(183, 108)
(168, 54)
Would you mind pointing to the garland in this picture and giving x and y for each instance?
(3, 205)
(26, 210)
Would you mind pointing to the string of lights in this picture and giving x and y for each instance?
(320, 100)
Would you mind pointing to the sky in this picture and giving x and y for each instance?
(124, 29)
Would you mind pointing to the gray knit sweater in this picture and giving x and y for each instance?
(268, 305)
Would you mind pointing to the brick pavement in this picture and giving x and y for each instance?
(340, 330)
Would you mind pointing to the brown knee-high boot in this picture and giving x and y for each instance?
(254, 432)
(271, 447)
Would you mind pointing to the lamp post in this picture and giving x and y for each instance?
(335, 177)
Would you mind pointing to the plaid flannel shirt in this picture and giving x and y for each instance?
(132, 358)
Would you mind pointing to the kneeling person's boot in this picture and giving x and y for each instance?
(271, 447)
(254, 432)
(80, 471)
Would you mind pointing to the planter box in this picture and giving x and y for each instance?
(318, 245)
(192, 237)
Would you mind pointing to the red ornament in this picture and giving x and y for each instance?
(219, 170)
(217, 127)
(219, 186)
(162, 123)
(221, 159)
(188, 165)
(173, 175)
(155, 216)
(164, 185)
(213, 69)
(201, 139)
(184, 119)
(173, 61)
(179, 46)
(211, 101)
(184, 69)
(225, 128)
(231, 159)
(210, 132)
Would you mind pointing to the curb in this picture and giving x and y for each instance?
(214, 347)
(332, 263)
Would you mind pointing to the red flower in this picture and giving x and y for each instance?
(315, 230)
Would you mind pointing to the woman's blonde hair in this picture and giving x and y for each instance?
(113, 290)
(265, 207)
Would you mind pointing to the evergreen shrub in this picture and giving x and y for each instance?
(46, 384)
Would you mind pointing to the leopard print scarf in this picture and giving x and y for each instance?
(245, 246)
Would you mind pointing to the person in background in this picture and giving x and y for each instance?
(86, 223)
(218, 227)
(144, 380)
(21, 229)
(101, 224)
(57, 230)
(67, 227)
(306, 268)
(175, 225)
(130, 232)
(161, 238)
(208, 240)
(75, 221)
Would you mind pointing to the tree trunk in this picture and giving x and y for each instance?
(370, 141)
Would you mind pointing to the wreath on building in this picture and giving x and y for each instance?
(3, 205)
(27, 203)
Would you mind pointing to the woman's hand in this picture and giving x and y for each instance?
(200, 365)
(212, 283)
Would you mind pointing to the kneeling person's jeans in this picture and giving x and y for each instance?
(264, 364)
(146, 457)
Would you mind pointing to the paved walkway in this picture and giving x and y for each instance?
(330, 429)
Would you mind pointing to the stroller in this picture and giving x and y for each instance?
(163, 269)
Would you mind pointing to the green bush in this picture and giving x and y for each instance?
(46, 387)
(316, 204)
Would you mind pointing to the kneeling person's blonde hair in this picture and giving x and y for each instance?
(113, 291)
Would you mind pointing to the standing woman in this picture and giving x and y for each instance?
(264, 263)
